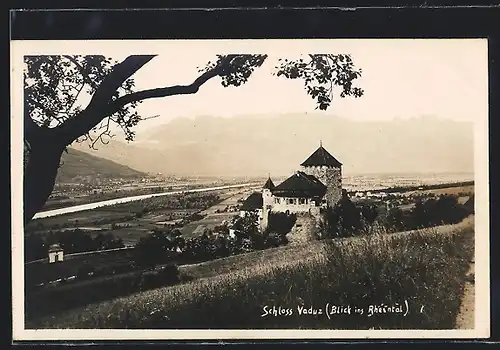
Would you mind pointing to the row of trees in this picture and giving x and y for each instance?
(180, 201)
(347, 218)
(432, 212)
(162, 246)
(71, 241)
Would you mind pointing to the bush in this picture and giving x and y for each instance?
(164, 276)
(432, 212)
(281, 223)
(156, 248)
(343, 220)
(217, 243)
(275, 239)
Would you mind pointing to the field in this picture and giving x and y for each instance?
(458, 190)
(419, 274)
(129, 230)
(122, 220)
(216, 214)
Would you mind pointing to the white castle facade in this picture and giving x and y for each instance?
(318, 184)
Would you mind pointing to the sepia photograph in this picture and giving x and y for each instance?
(225, 189)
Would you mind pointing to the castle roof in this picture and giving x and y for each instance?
(300, 185)
(321, 157)
(269, 184)
(253, 202)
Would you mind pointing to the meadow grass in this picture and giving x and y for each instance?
(424, 269)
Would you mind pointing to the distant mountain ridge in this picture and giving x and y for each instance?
(258, 145)
(76, 163)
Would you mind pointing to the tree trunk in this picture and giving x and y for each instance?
(40, 173)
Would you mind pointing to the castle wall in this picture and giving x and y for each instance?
(330, 177)
(273, 204)
(303, 231)
(267, 202)
(285, 205)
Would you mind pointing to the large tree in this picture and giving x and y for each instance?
(71, 98)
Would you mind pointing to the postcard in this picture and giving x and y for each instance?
(250, 189)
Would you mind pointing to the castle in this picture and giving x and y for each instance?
(318, 184)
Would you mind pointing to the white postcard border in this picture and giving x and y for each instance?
(295, 46)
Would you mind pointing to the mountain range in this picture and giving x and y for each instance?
(255, 145)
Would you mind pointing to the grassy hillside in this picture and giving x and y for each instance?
(420, 274)
(76, 163)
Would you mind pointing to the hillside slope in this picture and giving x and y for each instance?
(76, 163)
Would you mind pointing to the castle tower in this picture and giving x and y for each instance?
(267, 203)
(328, 170)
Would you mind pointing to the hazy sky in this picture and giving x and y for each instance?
(446, 78)
(402, 78)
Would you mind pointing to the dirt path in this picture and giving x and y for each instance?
(465, 317)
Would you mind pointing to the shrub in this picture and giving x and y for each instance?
(156, 248)
(164, 276)
(281, 223)
(343, 220)
(432, 212)
(275, 239)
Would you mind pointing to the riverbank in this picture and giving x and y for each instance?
(89, 206)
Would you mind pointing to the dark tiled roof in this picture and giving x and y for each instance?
(300, 185)
(321, 157)
(269, 184)
(253, 202)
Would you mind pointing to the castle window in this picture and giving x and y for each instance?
(291, 201)
(302, 201)
(277, 200)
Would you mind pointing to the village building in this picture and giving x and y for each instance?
(317, 184)
(252, 204)
(56, 253)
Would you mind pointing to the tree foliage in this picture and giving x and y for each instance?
(427, 213)
(157, 247)
(322, 74)
(56, 87)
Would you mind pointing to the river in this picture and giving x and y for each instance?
(88, 206)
